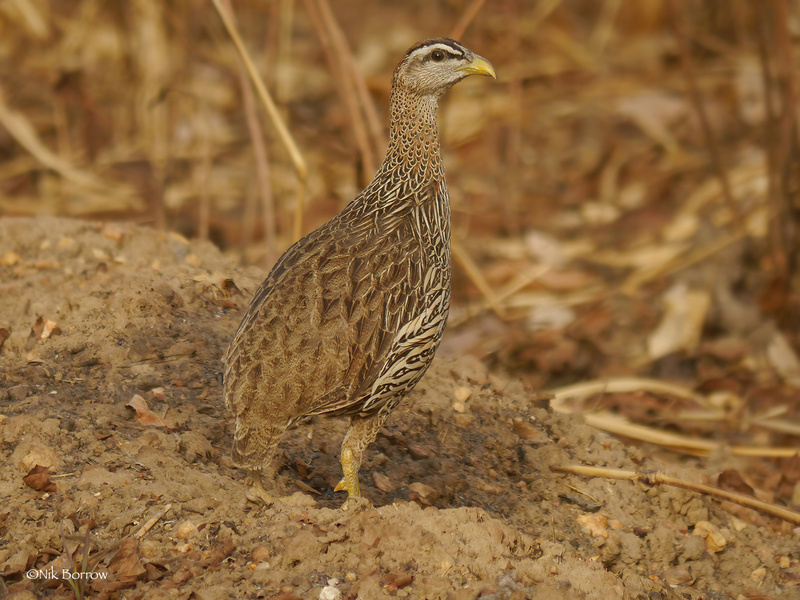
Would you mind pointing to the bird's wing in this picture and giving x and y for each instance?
(320, 326)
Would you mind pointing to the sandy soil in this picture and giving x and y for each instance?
(461, 501)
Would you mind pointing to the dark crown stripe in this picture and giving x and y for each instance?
(456, 49)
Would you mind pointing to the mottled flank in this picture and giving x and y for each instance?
(348, 320)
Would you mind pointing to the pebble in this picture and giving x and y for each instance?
(18, 392)
(330, 593)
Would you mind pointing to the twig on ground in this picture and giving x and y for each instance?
(149, 524)
(656, 478)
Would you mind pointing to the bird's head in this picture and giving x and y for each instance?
(433, 66)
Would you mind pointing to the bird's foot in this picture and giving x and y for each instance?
(356, 503)
(255, 489)
(349, 482)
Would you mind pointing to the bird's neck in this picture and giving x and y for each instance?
(413, 136)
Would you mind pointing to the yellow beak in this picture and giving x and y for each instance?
(478, 66)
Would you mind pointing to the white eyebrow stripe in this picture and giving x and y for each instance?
(446, 48)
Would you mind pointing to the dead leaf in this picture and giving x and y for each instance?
(44, 328)
(418, 451)
(40, 455)
(305, 487)
(677, 575)
(185, 530)
(125, 562)
(144, 415)
(527, 431)
(37, 327)
(783, 359)
(656, 113)
(382, 482)
(39, 479)
(682, 324)
(50, 329)
(732, 481)
(423, 492)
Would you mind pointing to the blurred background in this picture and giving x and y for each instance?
(625, 196)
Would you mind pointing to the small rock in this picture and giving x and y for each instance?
(330, 593)
(192, 260)
(758, 575)
(715, 540)
(112, 232)
(462, 393)
(594, 525)
(9, 259)
(370, 537)
(100, 255)
(18, 392)
(185, 530)
(260, 554)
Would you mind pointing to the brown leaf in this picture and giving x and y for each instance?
(422, 490)
(37, 327)
(677, 575)
(418, 451)
(791, 469)
(39, 479)
(144, 415)
(305, 487)
(382, 482)
(125, 562)
(732, 481)
(4, 333)
(527, 431)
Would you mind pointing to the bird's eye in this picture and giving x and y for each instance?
(437, 55)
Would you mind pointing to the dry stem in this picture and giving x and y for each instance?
(656, 478)
(299, 163)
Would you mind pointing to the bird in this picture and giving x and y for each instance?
(347, 321)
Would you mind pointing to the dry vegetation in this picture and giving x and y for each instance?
(625, 197)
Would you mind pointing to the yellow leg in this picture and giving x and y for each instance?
(350, 467)
(361, 434)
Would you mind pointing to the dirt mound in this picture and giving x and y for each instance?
(111, 418)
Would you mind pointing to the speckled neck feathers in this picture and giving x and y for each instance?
(413, 135)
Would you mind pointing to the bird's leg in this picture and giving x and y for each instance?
(256, 492)
(361, 434)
